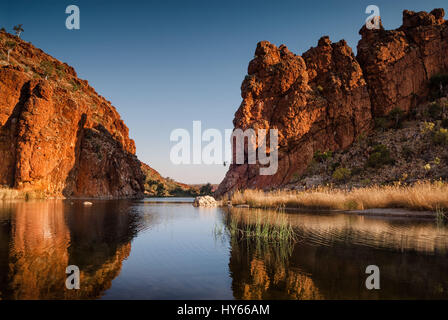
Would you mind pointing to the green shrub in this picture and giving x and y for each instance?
(322, 156)
(312, 167)
(75, 85)
(341, 174)
(47, 68)
(361, 138)
(206, 189)
(60, 71)
(10, 44)
(396, 116)
(437, 81)
(379, 157)
(295, 177)
(407, 152)
(334, 165)
(440, 137)
(435, 111)
(381, 124)
(356, 171)
(366, 181)
(427, 127)
(444, 123)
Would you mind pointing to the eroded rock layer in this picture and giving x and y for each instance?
(324, 99)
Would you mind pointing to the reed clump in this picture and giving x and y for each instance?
(257, 226)
(424, 195)
(272, 228)
(13, 194)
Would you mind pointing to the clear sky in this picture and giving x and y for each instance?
(164, 64)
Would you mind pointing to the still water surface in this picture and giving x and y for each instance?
(153, 249)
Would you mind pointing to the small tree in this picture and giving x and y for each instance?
(441, 136)
(341, 174)
(47, 67)
(379, 157)
(396, 116)
(2, 30)
(206, 189)
(10, 45)
(18, 30)
(437, 82)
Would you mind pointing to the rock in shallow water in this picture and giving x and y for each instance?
(205, 201)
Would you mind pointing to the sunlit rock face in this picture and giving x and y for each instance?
(318, 101)
(46, 115)
(45, 237)
(397, 64)
(327, 97)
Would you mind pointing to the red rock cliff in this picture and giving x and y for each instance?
(325, 98)
(57, 134)
(397, 64)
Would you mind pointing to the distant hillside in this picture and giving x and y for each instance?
(158, 186)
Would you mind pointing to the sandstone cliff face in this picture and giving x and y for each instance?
(57, 134)
(325, 98)
(397, 64)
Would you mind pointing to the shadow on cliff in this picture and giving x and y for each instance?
(103, 168)
(70, 182)
(8, 139)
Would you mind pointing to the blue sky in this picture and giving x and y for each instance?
(164, 64)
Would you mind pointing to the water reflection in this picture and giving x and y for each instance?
(38, 240)
(329, 259)
(177, 253)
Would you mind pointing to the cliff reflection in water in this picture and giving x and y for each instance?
(330, 255)
(38, 240)
(192, 253)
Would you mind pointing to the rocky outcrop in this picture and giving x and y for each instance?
(397, 64)
(57, 134)
(205, 201)
(317, 102)
(324, 99)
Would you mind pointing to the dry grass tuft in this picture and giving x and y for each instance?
(420, 196)
(13, 194)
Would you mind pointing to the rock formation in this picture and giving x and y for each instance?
(205, 201)
(397, 64)
(57, 135)
(324, 99)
